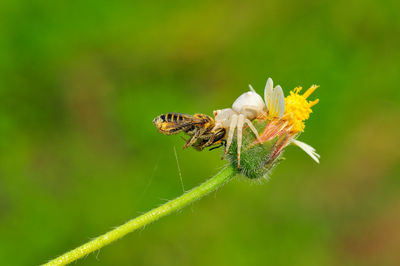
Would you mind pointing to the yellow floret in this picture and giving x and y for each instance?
(298, 109)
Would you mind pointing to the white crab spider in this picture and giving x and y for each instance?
(247, 107)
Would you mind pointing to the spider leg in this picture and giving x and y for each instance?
(232, 127)
(239, 136)
(248, 122)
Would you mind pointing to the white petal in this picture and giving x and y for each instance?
(274, 99)
(276, 102)
(308, 149)
(279, 98)
(268, 91)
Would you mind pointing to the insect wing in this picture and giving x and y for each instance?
(172, 123)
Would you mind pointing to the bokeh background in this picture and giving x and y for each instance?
(81, 81)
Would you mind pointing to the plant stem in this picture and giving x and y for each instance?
(190, 196)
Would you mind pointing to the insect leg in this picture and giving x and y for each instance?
(194, 138)
(218, 146)
(209, 142)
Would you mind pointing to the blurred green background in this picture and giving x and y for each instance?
(81, 81)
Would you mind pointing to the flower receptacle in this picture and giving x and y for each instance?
(257, 158)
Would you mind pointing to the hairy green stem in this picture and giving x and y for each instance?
(190, 196)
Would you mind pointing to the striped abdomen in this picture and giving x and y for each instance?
(173, 123)
(174, 117)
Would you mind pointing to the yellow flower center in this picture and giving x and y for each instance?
(298, 109)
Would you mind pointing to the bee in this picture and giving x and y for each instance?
(200, 128)
(216, 137)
